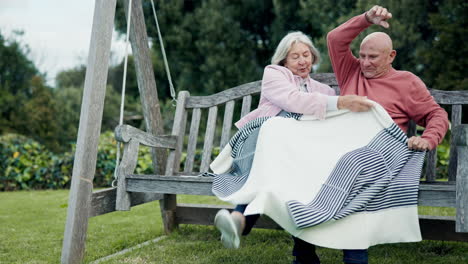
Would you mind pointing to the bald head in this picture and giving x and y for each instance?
(376, 55)
(379, 41)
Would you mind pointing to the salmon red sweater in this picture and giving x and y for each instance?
(403, 95)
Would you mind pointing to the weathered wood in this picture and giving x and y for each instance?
(224, 96)
(411, 129)
(124, 133)
(455, 120)
(440, 195)
(178, 130)
(146, 81)
(103, 201)
(440, 228)
(227, 124)
(126, 166)
(246, 102)
(450, 97)
(461, 142)
(209, 136)
(151, 184)
(192, 140)
(203, 214)
(326, 78)
(168, 207)
(84, 165)
(431, 162)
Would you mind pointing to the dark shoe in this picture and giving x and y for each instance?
(303, 260)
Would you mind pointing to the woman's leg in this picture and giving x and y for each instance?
(247, 222)
(355, 256)
(304, 252)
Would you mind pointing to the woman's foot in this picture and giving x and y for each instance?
(230, 227)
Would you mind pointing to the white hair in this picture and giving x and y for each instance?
(279, 58)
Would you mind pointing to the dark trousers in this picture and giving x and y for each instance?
(304, 251)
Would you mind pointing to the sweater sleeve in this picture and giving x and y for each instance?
(422, 108)
(280, 89)
(338, 41)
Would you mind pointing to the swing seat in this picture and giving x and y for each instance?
(452, 193)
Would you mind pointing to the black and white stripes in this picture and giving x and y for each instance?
(381, 175)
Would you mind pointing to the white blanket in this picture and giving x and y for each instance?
(294, 177)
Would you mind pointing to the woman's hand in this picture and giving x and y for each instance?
(354, 103)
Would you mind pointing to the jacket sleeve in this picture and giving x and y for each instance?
(279, 88)
(338, 41)
(422, 108)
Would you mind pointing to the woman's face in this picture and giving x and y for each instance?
(299, 60)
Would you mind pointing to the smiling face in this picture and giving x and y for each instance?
(376, 55)
(299, 60)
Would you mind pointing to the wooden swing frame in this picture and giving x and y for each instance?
(169, 180)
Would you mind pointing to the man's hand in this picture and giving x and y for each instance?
(378, 15)
(418, 143)
(354, 103)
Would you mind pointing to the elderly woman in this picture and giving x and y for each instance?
(286, 88)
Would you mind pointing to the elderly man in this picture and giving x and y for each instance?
(401, 93)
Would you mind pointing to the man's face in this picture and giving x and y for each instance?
(374, 59)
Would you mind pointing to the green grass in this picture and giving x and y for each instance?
(32, 225)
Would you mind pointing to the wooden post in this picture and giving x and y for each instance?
(461, 135)
(146, 81)
(92, 106)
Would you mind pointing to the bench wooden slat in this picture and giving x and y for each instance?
(450, 97)
(431, 162)
(456, 120)
(192, 140)
(246, 102)
(178, 130)
(209, 136)
(227, 124)
(224, 96)
(126, 166)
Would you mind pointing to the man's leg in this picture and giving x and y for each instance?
(304, 252)
(355, 256)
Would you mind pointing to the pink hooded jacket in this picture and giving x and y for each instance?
(280, 92)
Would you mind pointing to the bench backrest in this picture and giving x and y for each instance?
(206, 109)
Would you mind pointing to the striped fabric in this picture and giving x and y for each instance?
(346, 182)
(242, 146)
(381, 175)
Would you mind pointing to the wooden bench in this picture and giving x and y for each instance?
(186, 180)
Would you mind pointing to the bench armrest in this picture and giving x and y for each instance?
(124, 133)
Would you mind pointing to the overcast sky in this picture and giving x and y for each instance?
(58, 32)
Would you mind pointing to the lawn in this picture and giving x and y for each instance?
(32, 224)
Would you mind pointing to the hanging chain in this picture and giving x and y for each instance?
(122, 101)
(163, 51)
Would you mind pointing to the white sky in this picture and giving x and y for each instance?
(58, 32)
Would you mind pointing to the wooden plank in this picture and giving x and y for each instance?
(103, 201)
(461, 141)
(440, 228)
(440, 195)
(146, 183)
(209, 136)
(431, 162)
(84, 165)
(126, 166)
(246, 102)
(192, 140)
(146, 80)
(411, 129)
(456, 120)
(326, 78)
(124, 133)
(227, 124)
(178, 130)
(450, 97)
(203, 214)
(224, 96)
